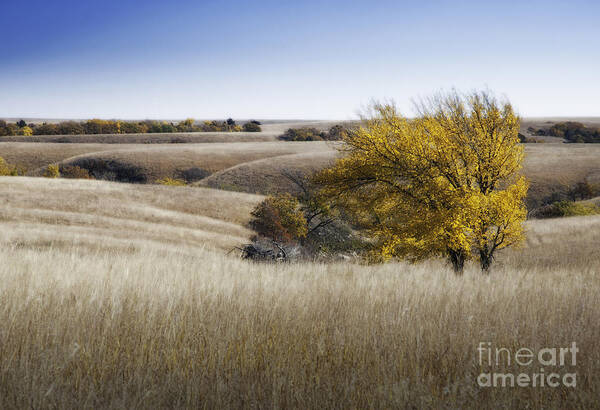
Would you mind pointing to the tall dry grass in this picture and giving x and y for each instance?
(110, 297)
(164, 327)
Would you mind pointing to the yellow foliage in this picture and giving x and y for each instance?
(171, 181)
(52, 171)
(189, 122)
(444, 183)
(8, 170)
(26, 131)
(280, 218)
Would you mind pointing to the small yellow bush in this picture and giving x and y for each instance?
(52, 171)
(567, 208)
(6, 169)
(171, 181)
(279, 218)
(26, 131)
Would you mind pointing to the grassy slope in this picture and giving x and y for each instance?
(47, 212)
(255, 167)
(112, 297)
(556, 167)
(32, 156)
(157, 161)
(264, 176)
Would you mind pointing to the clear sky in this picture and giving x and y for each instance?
(291, 59)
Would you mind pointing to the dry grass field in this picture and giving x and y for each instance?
(159, 161)
(256, 167)
(556, 167)
(50, 211)
(120, 295)
(31, 155)
(117, 297)
(265, 176)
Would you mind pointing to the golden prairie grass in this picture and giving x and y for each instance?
(155, 161)
(265, 176)
(140, 311)
(165, 327)
(45, 210)
(32, 156)
(158, 161)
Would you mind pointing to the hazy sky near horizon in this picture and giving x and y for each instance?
(292, 59)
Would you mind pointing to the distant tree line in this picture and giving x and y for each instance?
(97, 126)
(571, 131)
(335, 133)
(530, 140)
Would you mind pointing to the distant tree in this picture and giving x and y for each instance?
(26, 131)
(94, 126)
(74, 172)
(317, 212)
(154, 127)
(128, 127)
(337, 132)
(46, 129)
(21, 123)
(70, 128)
(251, 127)
(3, 128)
(279, 218)
(186, 125)
(189, 122)
(582, 191)
(230, 122)
(52, 171)
(167, 127)
(12, 129)
(303, 134)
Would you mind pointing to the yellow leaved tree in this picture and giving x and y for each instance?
(443, 184)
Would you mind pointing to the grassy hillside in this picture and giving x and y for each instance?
(42, 213)
(32, 156)
(120, 295)
(555, 168)
(256, 167)
(159, 161)
(113, 297)
(151, 162)
(265, 176)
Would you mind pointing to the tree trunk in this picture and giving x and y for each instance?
(457, 259)
(485, 259)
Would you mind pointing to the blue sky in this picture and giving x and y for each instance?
(291, 59)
